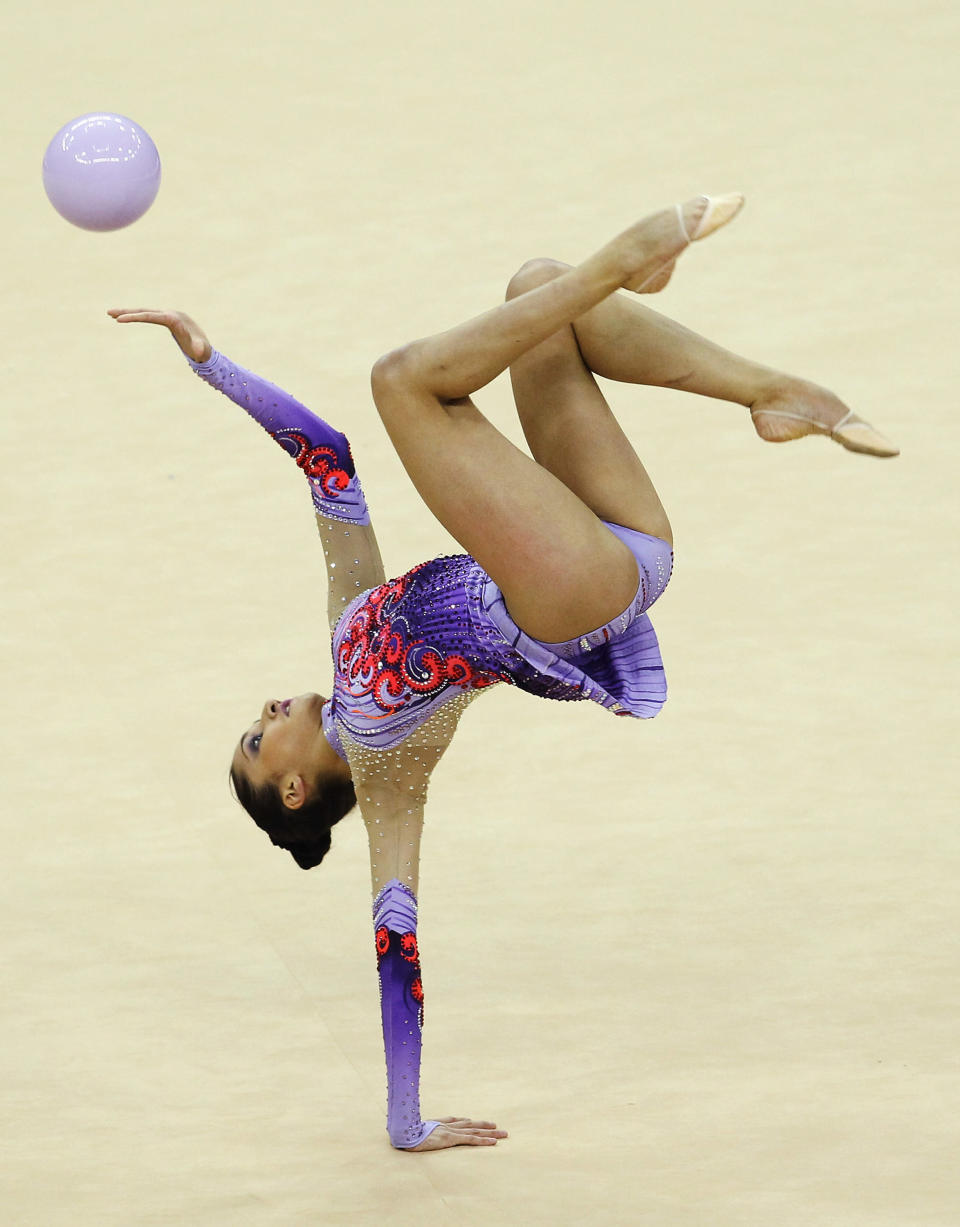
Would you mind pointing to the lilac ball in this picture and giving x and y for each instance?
(101, 171)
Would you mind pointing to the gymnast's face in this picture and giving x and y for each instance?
(286, 747)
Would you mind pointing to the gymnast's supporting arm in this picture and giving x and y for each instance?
(391, 789)
(321, 452)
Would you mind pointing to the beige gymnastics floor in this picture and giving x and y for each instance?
(703, 969)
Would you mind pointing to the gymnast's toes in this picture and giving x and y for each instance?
(798, 408)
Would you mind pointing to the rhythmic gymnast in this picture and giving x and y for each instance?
(565, 553)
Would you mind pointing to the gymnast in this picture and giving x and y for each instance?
(565, 552)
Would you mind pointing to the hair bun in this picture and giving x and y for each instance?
(304, 832)
(309, 853)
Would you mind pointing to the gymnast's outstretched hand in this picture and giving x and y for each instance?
(186, 332)
(458, 1131)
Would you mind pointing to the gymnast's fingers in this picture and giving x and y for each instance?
(473, 1126)
(444, 1138)
(140, 315)
(186, 332)
(460, 1131)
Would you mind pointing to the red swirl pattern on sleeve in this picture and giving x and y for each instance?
(321, 464)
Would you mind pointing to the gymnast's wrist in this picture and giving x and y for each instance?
(411, 1136)
(208, 364)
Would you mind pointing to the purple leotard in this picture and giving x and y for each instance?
(405, 648)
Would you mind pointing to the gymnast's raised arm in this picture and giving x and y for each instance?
(322, 453)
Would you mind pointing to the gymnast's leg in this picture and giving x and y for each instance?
(569, 425)
(623, 340)
(561, 572)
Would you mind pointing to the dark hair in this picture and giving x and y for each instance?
(303, 832)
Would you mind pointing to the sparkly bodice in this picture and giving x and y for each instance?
(404, 651)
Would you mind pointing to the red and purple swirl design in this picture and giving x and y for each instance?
(380, 656)
(407, 967)
(321, 464)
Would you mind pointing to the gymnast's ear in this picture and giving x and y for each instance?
(293, 791)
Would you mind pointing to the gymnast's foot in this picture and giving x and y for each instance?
(658, 240)
(793, 408)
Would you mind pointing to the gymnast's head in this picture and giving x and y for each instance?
(290, 780)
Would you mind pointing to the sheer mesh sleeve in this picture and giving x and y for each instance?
(391, 786)
(353, 562)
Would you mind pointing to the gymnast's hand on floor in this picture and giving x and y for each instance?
(186, 332)
(458, 1131)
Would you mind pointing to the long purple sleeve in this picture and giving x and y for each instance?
(401, 1007)
(320, 451)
